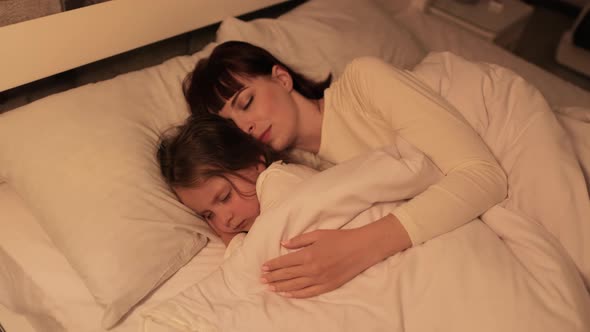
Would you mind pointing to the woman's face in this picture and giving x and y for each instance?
(227, 208)
(264, 108)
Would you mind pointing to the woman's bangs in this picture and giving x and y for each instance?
(225, 87)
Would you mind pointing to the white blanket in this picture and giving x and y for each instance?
(546, 182)
(509, 274)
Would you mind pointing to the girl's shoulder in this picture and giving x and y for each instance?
(281, 174)
(278, 180)
(281, 168)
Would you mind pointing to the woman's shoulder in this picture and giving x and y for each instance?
(363, 74)
(369, 65)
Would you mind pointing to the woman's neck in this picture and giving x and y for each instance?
(309, 126)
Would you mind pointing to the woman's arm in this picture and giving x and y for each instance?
(330, 258)
(473, 182)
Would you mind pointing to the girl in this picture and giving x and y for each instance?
(369, 106)
(213, 168)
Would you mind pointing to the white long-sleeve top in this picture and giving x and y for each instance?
(272, 186)
(372, 103)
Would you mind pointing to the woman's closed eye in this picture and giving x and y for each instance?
(247, 102)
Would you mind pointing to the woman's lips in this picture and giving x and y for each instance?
(265, 137)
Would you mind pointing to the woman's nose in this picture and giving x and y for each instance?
(248, 128)
(245, 125)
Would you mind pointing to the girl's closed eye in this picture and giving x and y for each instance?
(207, 216)
(226, 197)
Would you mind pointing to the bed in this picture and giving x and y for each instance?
(91, 238)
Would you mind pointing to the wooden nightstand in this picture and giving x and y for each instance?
(501, 23)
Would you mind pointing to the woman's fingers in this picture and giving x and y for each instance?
(303, 293)
(288, 273)
(301, 287)
(330, 258)
(290, 285)
(301, 241)
(281, 262)
(293, 258)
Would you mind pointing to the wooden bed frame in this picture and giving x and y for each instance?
(42, 47)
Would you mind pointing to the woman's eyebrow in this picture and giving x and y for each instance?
(233, 101)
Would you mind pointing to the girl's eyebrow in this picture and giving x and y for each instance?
(215, 198)
(236, 95)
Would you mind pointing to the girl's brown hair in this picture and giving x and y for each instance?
(207, 146)
(214, 80)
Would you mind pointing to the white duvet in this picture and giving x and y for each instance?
(517, 270)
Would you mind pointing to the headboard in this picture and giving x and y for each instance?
(45, 46)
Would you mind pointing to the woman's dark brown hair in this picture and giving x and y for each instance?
(207, 146)
(214, 79)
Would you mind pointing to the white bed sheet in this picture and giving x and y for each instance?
(436, 34)
(61, 291)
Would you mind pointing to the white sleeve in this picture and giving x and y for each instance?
(473, 182)
(278, 180)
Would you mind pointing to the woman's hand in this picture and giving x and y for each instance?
(327, 259)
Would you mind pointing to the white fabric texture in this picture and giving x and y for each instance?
(84, 163)
(576, 121)
(461, 281)
(546, 182)
(320, 37)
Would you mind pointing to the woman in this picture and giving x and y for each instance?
(369, 106)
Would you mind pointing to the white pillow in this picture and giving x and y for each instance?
(84, 163)
(43, 283)
(37, 282)
(322, 36)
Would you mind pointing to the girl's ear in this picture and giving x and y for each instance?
(281, 74)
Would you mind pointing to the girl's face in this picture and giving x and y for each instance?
(265, 109)
(229, 205)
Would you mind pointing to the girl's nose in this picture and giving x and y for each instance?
(227, 218)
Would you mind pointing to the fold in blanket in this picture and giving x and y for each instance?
(510, 273)
(546, 182)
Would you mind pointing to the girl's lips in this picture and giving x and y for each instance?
(265, 137)
(241, 227)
